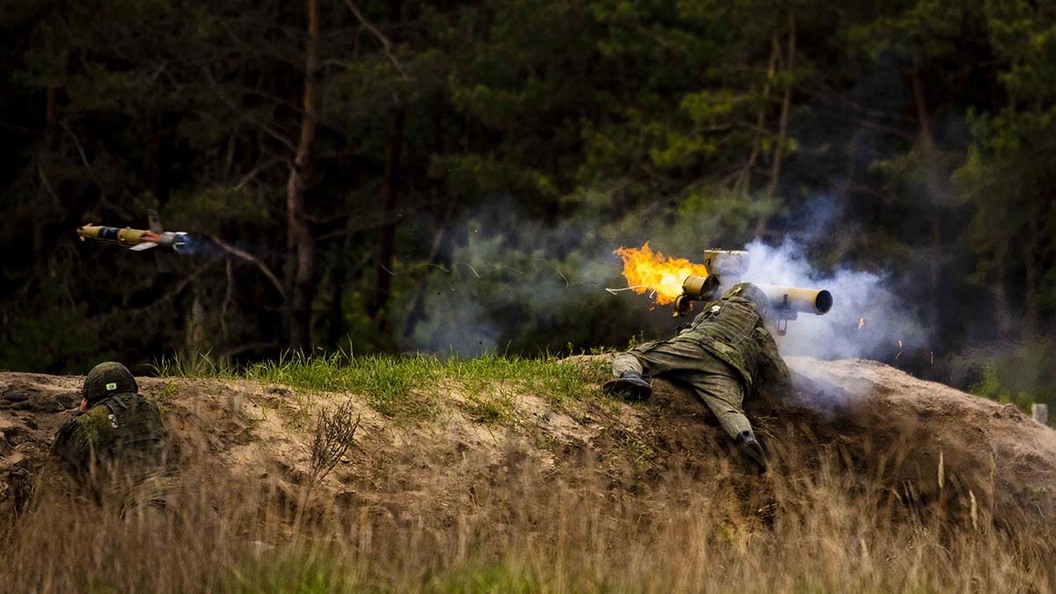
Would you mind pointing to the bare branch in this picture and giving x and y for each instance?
(252, 259)
(386, 44)
(256, 170)
(105, 320)
(213, 86)
(77, 143)
(227, 300)
(47, 186)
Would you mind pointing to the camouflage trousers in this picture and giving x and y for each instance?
(688, 363)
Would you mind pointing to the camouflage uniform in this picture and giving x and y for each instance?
(116, 448)
(723, 354)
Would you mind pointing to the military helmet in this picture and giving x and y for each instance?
(751, 293)
(108, 378)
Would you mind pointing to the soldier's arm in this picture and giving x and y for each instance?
(69, 445)
(697, 319)
(774, 377)
(76, 441)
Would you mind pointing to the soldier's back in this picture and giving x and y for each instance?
(117, 450)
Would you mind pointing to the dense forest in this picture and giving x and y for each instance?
(453, 177)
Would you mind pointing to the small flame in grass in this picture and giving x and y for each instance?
(861, 322)
(654, 272)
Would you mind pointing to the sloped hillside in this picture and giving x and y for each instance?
(575, 493)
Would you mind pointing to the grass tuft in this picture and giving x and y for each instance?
(204, 365)
(292, 570)
(410, 387)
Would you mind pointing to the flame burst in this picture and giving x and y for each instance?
(649, 271)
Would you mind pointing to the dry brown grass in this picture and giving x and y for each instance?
(530, 531)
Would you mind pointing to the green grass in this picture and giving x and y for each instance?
(412, 386)
(204, 365)
(310, 572)
(491, 408)
(557, 381)
(496, 578)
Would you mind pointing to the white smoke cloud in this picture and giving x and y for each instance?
(859, 297)
(459, 327)
(505, 264)
(508, 271)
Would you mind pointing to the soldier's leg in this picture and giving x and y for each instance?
(626, 362)
(719, 386)
(628, 381)
(630, 368)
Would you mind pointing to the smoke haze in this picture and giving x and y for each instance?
(859, 297)
(515, 281)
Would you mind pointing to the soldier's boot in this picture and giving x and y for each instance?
(630, 385)
(751, 449)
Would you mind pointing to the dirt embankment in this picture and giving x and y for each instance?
(921, 445)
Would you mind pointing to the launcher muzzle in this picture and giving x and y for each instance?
(786, 303)
(695, 288)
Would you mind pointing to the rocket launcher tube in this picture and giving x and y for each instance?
(785, 302)
(789, 301)
(695, 288)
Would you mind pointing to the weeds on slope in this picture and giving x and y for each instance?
(531, 531)
(409, 387)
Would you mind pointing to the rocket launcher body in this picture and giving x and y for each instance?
(790, 301)
(786, 303)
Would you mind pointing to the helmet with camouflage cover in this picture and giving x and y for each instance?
(106, 379)
(751, 293)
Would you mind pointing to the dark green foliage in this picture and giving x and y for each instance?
(1021, 375)
(519, 142)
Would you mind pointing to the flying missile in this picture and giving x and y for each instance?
(137, 240)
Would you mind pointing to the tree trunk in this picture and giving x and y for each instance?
(378, 306)
(1002, 311)
(744, 182)
(336, 327)
(782, 129)
(301, 246)
(929, 162)
(195, 336)
(416, 310)
(387, 238)
(1030, 264)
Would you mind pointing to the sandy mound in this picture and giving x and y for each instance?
(929, 441)
(921, 444)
